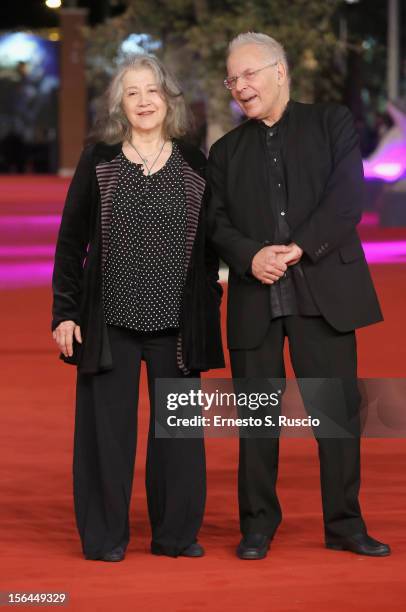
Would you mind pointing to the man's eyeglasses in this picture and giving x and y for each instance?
(248, 75)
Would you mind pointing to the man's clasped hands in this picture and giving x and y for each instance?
(271, 262)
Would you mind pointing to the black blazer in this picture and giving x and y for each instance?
(82, 247)
(324, 177)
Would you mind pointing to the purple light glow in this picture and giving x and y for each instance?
(28, 230)
(388, 161)
(38, 273)
(32, 274)
(369, 219)
(385, 252)
(19, 221)
(47, 250)
(388, 171)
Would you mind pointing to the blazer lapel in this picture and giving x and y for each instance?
(250, 176)
(293, 158)
(307, 163)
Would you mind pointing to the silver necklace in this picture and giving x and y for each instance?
(144, 159)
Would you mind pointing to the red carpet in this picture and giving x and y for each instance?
(39, 544)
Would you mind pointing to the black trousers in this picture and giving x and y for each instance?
(317, 351)
(105, 446)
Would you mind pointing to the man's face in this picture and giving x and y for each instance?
(257, 94)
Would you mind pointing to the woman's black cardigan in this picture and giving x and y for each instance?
(81, 250)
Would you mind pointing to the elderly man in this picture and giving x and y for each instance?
(286, 196)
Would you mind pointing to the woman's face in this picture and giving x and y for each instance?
(143, 102)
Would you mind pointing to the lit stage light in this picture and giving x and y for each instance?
(53, 4)
(388, 161)
(18, 47)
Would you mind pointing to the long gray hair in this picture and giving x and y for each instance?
(112, 125)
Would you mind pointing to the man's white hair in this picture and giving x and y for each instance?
(275, 49)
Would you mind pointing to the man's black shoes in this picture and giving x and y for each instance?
(361, 544)
(253, 546)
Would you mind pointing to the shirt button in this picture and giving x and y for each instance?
(279, 185)
(283, 213)
(275, 159)
(270, 133)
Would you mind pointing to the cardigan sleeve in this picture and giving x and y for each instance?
(71, 247)
(212, 260)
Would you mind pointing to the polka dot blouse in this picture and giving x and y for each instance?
(145, 267)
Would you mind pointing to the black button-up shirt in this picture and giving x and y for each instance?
(290, 295)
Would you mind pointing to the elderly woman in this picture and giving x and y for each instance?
(134, 279)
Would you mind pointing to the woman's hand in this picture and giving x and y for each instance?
(63, 336)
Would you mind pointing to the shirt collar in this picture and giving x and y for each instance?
(280, 121)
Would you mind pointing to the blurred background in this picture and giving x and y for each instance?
(56, 57)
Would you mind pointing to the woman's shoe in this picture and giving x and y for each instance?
(194, 550)
(117, 554)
